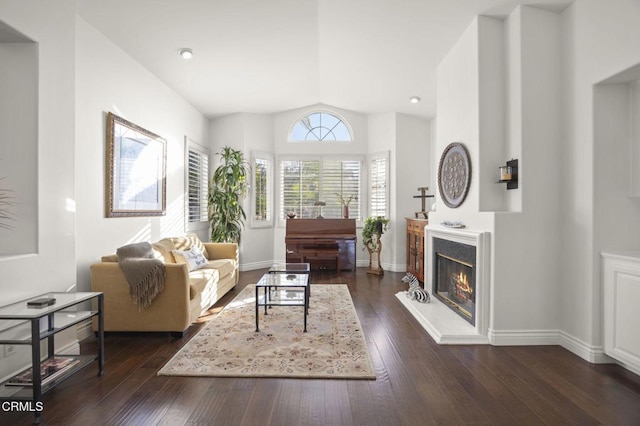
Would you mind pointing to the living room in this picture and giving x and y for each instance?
(542, 108)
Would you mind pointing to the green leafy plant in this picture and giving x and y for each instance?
(373, 225)
(6, 201)
(229, 185)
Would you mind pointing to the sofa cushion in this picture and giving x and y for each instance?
(162, 250)
(110, 258)
(199, 279)
(224, 266)
(188, 241)
(193, 257)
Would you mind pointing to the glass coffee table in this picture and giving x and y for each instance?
(282, 289)
(290, 268)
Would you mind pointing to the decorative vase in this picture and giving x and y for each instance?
(345, 212)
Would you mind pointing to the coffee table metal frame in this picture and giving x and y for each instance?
(273, 284)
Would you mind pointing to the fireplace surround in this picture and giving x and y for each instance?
(443, 324)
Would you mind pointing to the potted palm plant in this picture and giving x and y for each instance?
(228, 187)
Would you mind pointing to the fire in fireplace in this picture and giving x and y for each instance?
(454, 277)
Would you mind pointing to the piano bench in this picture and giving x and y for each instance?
(308, 255)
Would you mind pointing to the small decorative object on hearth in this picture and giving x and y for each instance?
(415, 291)
(372, 232)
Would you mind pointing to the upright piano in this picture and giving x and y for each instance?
(324, 243)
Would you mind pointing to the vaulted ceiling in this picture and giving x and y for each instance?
(266, 56)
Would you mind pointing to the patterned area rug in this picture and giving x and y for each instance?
(228, 346)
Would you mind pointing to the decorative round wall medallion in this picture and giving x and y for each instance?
(454, 174)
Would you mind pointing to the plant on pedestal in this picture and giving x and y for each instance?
(374, 227)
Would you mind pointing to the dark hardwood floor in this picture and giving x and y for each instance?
(418, 382)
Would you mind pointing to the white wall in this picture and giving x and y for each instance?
(19, 145)
(52, 27)
(599, 41)
(412, 169)
(524, 257)
(247, 133)
(458, 120)
(107, 79)
(527, 251)
(52, 266)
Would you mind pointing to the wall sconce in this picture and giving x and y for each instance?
(509, 174)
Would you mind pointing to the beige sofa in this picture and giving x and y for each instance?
(187, 293)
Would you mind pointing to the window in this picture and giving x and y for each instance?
(305, 182)
(262, 183)
(320, 126)
(197, 182)
(379, 184)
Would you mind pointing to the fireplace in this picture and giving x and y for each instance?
(443, 322)
(454, 277)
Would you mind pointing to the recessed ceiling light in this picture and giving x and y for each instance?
(186, 53)
(415, 99)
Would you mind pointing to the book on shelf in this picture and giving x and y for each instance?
(49, 370)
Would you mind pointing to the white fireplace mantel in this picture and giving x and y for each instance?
(444, 325)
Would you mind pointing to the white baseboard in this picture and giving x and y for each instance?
(593, 354)
(590, 353)
(523, 337)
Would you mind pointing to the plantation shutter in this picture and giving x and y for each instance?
(304, 182)
(340, 177)
(299, 181)
(198, 169)
(378, 178)
(262, 207)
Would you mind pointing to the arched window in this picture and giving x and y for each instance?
(320, 126)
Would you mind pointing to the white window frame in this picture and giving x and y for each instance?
(312, 141)
(268, 158)
(352, 157)
(371, 158)
(204, 152)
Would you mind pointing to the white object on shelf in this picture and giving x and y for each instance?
(450, 224)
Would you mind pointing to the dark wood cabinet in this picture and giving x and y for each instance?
(415, 247)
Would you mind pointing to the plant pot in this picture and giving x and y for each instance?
(379, 228)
